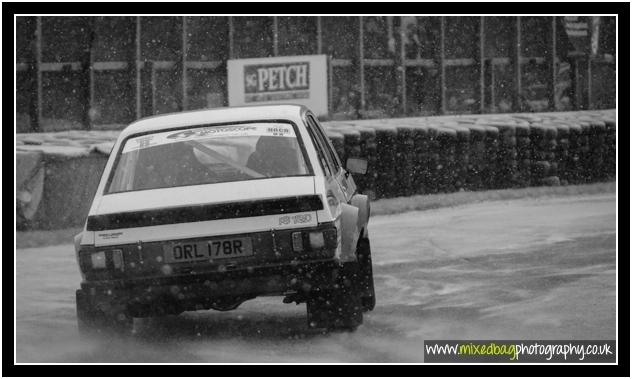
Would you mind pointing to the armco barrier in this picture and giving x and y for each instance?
(58, 172)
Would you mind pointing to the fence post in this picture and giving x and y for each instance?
(442, 62)
(482, 63)
(88, 77)
(231, 32)
(361, 65)
(37, 124)
(330, 86)
(185, 98)
(589, 69)
(319, 34)
(138, 66)
(518, 68)
(402, 63)
(275, 35)
(553, 63)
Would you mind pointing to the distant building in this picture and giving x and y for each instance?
(104, 72)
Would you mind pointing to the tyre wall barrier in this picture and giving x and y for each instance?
(57, 173)
(478, 157)
(611, 147)
(68, 190)
(55, 184)
(461, 155)
(425, 155)
(405, 154)
(387, 174)
(368, 148)
(29, 185)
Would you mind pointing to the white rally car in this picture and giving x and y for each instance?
(207, 209)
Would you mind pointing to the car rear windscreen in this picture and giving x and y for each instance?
(208, 154)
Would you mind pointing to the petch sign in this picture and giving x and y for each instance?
(280, 80)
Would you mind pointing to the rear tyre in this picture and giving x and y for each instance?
(365, 275)
(95, 321)
(339, 308)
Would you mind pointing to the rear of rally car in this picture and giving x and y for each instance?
(206, 217)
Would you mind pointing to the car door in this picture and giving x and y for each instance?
(338, 183)
(341, 175)
(335, 194)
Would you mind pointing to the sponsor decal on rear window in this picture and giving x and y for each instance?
(211, 132)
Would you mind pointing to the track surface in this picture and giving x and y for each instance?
(523, 269)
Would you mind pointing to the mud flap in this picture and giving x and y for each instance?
(350, 232)
(364, 211)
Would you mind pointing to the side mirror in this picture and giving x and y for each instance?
(357, 165)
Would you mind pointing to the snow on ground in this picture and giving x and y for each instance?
(519, 269)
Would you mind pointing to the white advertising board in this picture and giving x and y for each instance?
(300, 79)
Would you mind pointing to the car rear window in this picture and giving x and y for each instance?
(208, 154)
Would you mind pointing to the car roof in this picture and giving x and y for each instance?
(214, 116)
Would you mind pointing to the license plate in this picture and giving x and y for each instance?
(208, 250)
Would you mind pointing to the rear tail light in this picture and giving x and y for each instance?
(314, 240)
(98, 260)
(101, 260)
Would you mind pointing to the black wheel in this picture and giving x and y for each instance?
(91, 320)
(339, 308)
(365, 275)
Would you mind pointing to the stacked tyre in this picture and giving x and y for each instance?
(461, 154)
(386, 159)
(405, 156)
(507, 153)
(544, 168)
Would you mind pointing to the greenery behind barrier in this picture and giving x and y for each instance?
(58, 172)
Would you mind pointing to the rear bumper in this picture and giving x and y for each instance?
(198, 291)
